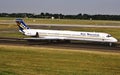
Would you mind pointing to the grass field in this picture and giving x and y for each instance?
(62, 21)
(10, 31)
(24, 60)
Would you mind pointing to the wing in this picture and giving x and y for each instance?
(46, 38)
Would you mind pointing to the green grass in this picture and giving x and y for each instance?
(62, 21)
(6, 18)
(26, 60)
(72, 21)
(20, 60)
(10, 31)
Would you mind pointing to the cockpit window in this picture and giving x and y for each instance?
(108, 36)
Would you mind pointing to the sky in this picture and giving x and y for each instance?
(71, 7)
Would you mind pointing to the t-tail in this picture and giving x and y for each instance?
(21, 25)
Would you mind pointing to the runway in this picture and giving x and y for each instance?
(78, 46)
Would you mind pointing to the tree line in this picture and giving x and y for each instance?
(62, 16)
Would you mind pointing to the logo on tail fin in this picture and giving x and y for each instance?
(21, 25)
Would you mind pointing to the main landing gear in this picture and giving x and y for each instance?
(110, 44)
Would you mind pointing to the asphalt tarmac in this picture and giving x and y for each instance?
(73, 45)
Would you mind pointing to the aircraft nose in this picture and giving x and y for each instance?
(115, 40)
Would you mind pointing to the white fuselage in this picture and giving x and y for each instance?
(70, 35)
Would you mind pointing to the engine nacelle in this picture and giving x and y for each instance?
(30, 33)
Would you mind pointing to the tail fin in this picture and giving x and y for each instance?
(21, 25)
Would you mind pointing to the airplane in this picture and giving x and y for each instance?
(42, 34)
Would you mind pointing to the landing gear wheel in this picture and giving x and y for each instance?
(37, 35)
(110, 44)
